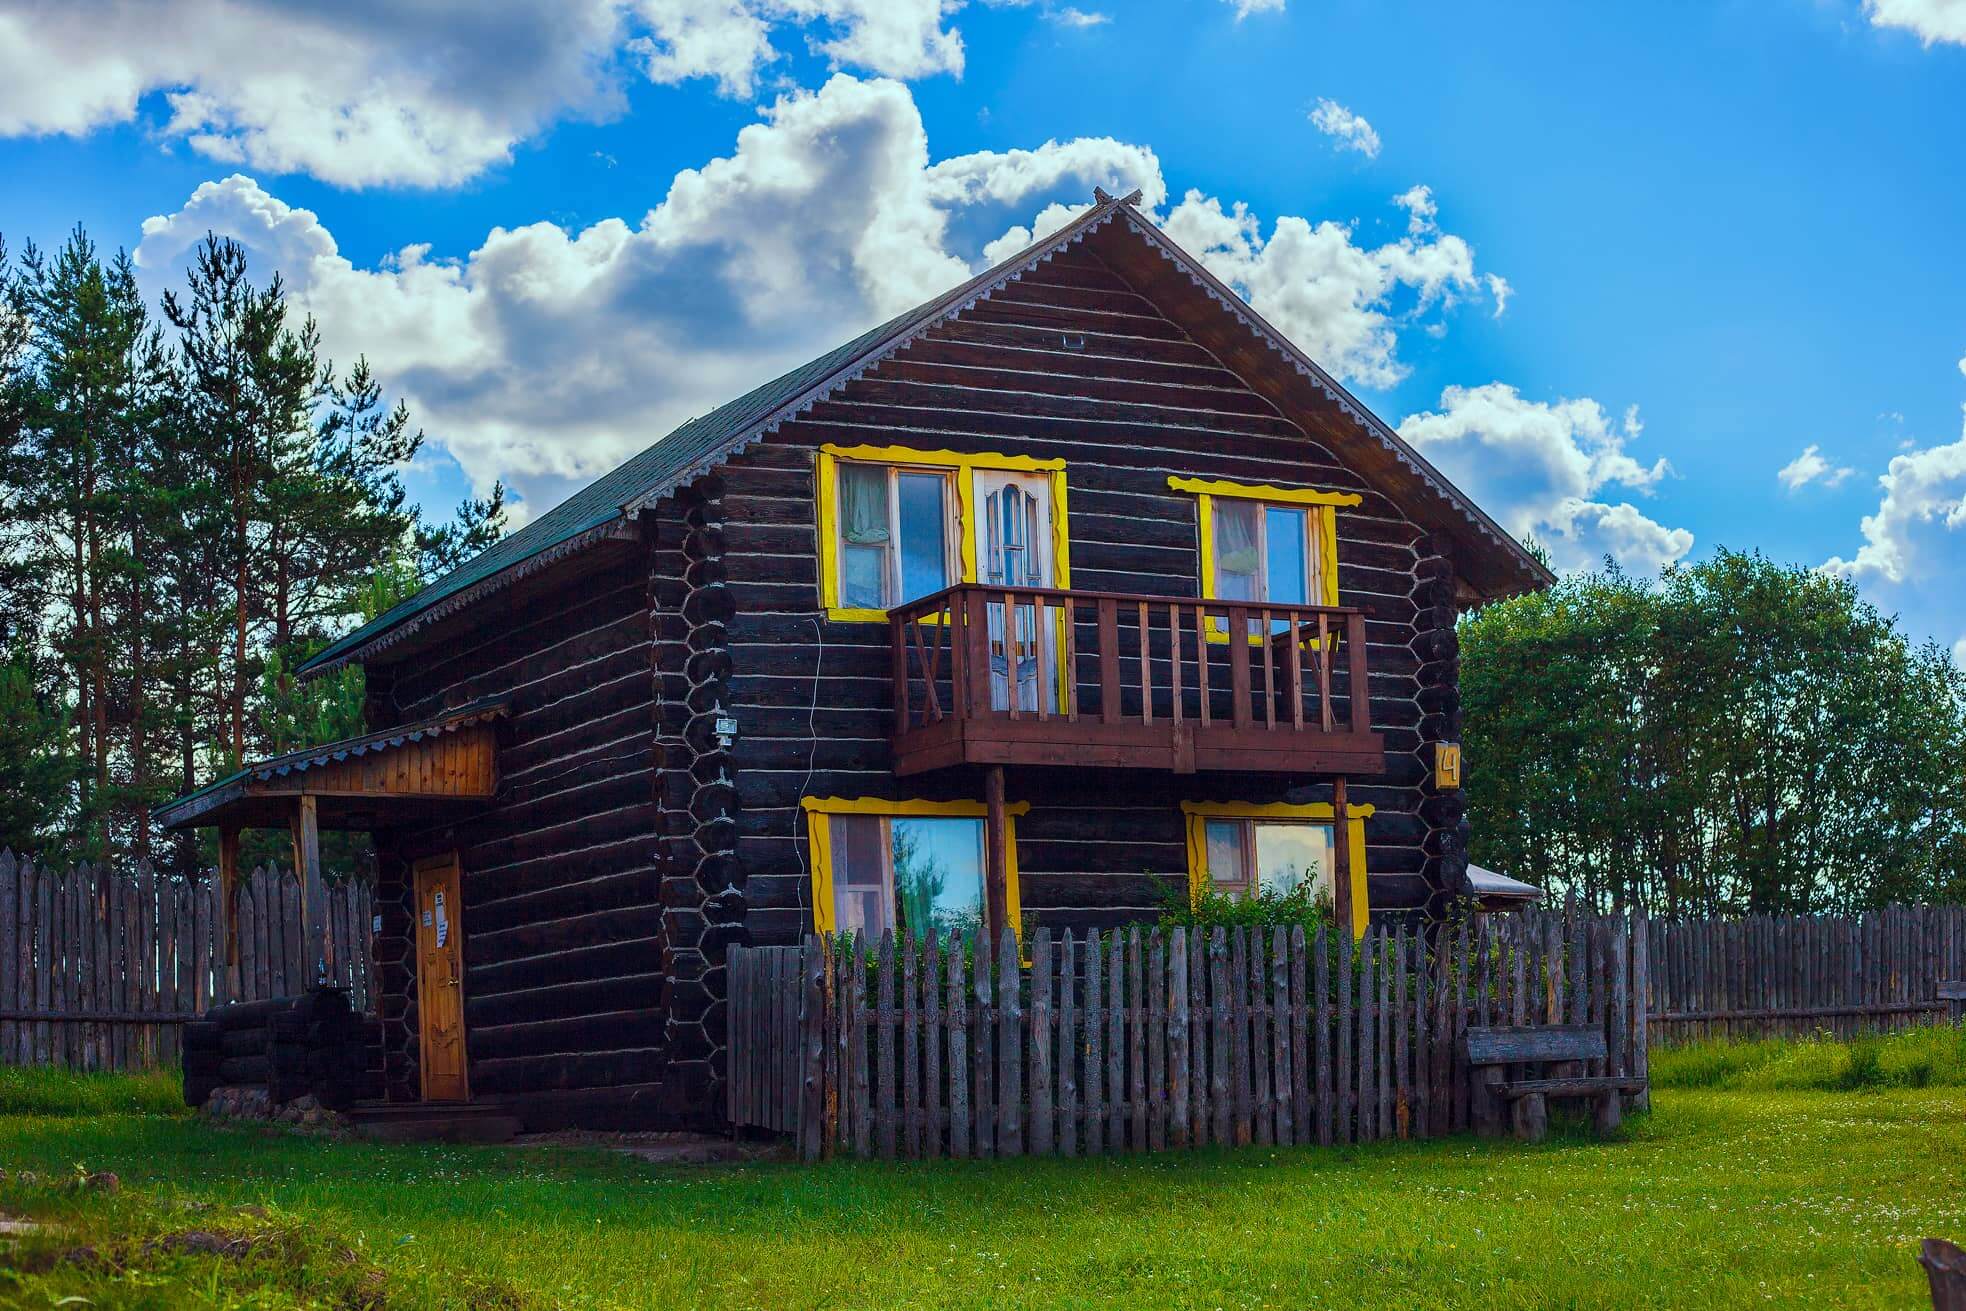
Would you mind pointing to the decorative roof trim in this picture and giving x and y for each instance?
(516, 571)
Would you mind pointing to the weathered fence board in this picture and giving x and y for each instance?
(1139, 1040)
(1793, 976)
(98, 968)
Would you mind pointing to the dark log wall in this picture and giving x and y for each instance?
(1138, 402)
(564, 967)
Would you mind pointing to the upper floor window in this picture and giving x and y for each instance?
(895, 534)
(1268, 552)
(897, 524)
(1267, 545)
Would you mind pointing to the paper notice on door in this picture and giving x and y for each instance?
(443, 922)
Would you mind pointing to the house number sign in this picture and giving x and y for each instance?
(1447, 766)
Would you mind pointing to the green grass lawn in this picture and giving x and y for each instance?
(1719, 1198)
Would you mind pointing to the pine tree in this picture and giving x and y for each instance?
(441, 548)
(36, 769)
(87, 327)
(248, 383)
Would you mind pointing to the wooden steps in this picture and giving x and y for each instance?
(434, 1122)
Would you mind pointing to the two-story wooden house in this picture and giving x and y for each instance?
(1074, 586)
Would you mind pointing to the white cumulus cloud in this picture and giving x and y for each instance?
(1929, 20)
(1244, 8)
(1914, 543)
(1920, 521)
(1349, 130)
(1342, 302)
(418, 92)
(1810, 467)
(1543, 468)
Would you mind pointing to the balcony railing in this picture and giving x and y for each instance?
(987, 674)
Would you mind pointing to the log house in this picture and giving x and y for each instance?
(1074, 588)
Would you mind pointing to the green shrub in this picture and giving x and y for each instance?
(1211, 909)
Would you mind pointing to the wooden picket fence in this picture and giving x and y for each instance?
(98, 968)
(1144, 1040)
(1779, 976)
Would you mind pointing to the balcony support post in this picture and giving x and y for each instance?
(1341, 848)
(996, 854)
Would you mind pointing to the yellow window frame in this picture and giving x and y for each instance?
(820, 810)
(963, 466)
(1198, 813)
(1206, 490)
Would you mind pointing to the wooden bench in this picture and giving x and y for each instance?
(1548, 1045)
(1954, 991)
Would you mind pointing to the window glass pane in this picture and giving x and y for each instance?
(860, 889)
(938, 872)
(862, 577)
(1224, 845)
(924, 529)
(1290, 854)
(864, 536)
(1235, 550)
(1283, 532)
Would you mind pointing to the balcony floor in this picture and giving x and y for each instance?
(1185, 748)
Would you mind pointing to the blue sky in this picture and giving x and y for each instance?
(1646, 280)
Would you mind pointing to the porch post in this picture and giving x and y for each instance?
(996, 861)
(319, 958)
(228, 905)
(1341, 845)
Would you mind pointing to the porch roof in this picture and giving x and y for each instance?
(359, 782)
(1499, 891)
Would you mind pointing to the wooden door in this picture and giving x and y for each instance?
(440, 980)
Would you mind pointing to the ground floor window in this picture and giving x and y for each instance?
(1243, 849)
(900, 866)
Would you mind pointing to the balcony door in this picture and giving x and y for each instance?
(1016, 551)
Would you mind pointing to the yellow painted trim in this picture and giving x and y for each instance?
(1207, 490)
(820, 844)
(1198, 814)
(944, 459)
(1264, 492)
(882, 806)
(964, 465)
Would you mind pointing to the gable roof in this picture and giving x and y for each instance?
(607, 507)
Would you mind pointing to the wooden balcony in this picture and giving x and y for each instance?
(992, 675)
